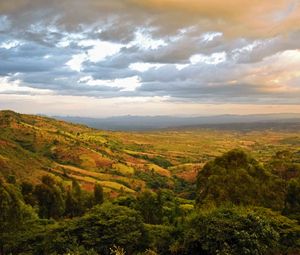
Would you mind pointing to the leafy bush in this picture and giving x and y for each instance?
(159, 237)
(236, 231)
(292, 199)
(102, 227)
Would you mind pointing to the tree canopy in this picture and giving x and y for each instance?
(238, 178)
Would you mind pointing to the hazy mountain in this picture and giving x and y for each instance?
(160, 122)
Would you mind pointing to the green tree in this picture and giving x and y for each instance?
(15, 216)
(160, 237)
(50, 198)
(292, 199)
(149, 204)
(239, 179)
(74, 200)
(232, 231)
(98, 194)
(27, 189)
(282, 164)
(102, 227)
(71, 205)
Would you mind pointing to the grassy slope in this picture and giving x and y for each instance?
(31, 146)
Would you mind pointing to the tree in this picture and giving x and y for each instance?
(98, 194)
(282, 164)
(238, 178)
(149, 204)
(71, 205)
(74, 200)
(27, 192)
(159, 237)
(234, 231)
(15, 216)
(102, 227)
(292, 199)
(50, 198)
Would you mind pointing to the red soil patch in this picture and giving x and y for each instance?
(189, 176)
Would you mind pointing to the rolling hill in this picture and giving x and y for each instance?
(32, 146)
(165, 186)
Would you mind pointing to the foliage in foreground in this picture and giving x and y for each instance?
(238, 230)
(227, 219)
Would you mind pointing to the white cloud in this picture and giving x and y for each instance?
(68, 38)
(125, 84)
(210, 36)
(236, 53)
(10, 44)
(76, 62)
(181, 66)
(63, 43)
(16, 86)
(213, 59)
(97, 51)
(142, 67)
(144, 40)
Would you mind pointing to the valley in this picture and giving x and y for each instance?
(32, 146)
(78, 190)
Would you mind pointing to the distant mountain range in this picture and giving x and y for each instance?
(141, 123)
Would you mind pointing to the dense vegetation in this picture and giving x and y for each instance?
(67, 189)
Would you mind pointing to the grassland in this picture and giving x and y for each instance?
(31, 146)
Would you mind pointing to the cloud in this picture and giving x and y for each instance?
(16, 88)
(234, 17)
(184, 50)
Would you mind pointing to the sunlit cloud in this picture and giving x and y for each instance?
(126, 84)
(189, 55)
(94, 51)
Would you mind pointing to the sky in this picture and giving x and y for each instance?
(99, 58)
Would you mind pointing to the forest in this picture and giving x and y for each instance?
(244, 200)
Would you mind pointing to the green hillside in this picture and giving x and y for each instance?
(70, 189)
(31, 146)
